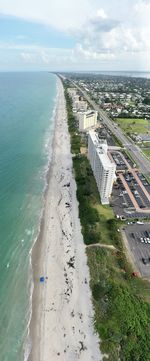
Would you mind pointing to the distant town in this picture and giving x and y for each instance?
(120, 96)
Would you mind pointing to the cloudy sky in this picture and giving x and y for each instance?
(74, 35)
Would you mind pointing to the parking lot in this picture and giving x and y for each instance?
(138, 240)
(122, 161)
(131, 195)
(144, 181)
(123, 206)
(117, 158)
(136, 190)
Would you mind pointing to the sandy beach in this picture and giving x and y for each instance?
(62, 318)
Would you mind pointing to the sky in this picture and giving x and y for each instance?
(67, 35)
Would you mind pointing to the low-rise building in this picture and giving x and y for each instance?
(81, 105)
(72, 92)
(103, 167)
(75, 99)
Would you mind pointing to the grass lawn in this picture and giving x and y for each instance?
(145, 145)
(139, 126)
(131, 103)
(105, 213)
(146, 152)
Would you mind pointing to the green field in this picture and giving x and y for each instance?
(139, 126)
(105, 215)
(145, 145)
(146, 152)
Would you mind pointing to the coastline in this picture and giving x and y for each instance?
(35, 252)
(61, 325)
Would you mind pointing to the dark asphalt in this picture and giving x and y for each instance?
(139, 250)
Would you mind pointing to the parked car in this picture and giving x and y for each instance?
(144, 261)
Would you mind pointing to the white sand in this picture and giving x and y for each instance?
(62, 319)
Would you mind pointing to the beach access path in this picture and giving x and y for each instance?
(62, 318)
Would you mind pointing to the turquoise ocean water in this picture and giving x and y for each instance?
(27, 103)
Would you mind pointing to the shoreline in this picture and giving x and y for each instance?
(61, 324)
(27, 343)
(36, 253)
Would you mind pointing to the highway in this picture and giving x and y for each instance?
(134, 150)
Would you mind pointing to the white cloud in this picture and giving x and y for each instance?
(27, 57)
(101, 13)
(142, 12)
(62, 14)
(89, 54)
(103, 34)
(79, 58)
(55, 58)
(44, 56)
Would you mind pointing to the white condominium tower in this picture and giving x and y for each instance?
(87, 119)
(103, 168)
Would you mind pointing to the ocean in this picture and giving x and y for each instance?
(27, 106)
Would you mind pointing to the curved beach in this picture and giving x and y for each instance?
(61, 326)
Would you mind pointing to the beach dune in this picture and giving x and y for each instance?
(62, 315)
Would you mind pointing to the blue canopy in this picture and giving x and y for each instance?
(42, 279)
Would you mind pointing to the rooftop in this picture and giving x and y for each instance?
(101, 149)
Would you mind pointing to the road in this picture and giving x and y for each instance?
(133, 149)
